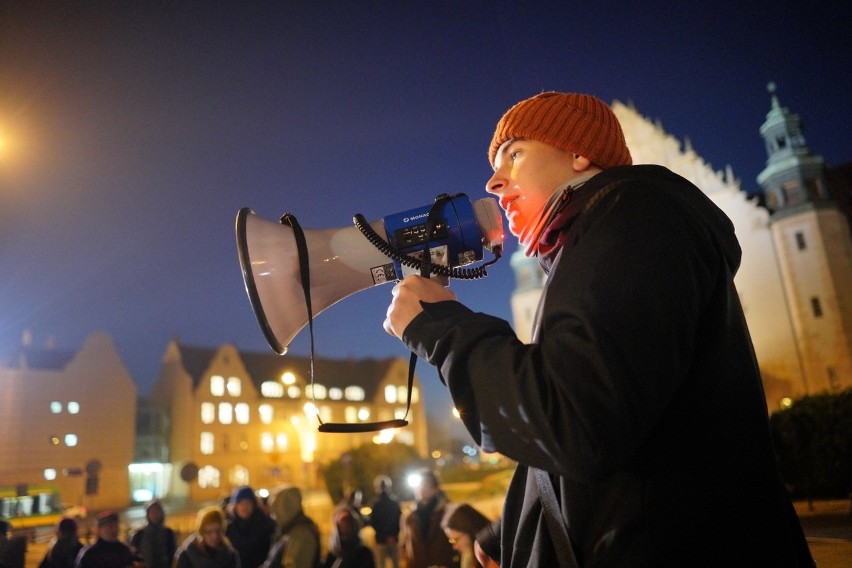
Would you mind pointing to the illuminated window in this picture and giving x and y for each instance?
(226, 413)
(399, 414)
(208, 476)
(272, 389)
(70, 440)
(266, 412)
(293, 391)
(281, 442)
(241, 413)
(316, 391)
(350, 414)
(208, 412)
(56, 407)
(335, 393)
(50, 474)
(267, 442)
(288, 378)
(235, 386)
(363, 413)
(239, 475)
(402, 394)
(354, 393)
(325, 413)
(390, 394)
(217, 385)
(73, 407)
(207, 443)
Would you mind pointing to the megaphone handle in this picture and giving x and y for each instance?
(425, 268)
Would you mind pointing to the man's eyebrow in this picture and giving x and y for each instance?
(504, 147)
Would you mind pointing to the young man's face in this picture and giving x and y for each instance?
(526, 173)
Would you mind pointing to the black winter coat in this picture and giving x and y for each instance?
(640, 393)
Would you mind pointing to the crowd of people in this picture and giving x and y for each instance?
(246, 531)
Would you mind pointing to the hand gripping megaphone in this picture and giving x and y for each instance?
(346, 260)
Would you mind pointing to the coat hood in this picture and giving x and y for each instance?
(286, 504)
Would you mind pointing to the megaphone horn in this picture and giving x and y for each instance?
(343, 261)
(270, 263)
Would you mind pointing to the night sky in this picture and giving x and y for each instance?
(131, 133)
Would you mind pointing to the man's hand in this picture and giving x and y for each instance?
(407, 296)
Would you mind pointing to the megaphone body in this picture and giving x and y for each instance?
(343, 261)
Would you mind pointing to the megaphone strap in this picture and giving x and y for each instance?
(304, 275)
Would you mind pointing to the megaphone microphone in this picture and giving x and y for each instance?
(293, 274)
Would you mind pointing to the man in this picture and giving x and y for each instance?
(249, 529)
(637, 414)
(155, 543)
(296, 539)
(107, 551)
(424, 541)
(384, 518)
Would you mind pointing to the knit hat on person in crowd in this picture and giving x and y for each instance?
(209, 516)
(243, 493)
(107, 517)
(580, 124)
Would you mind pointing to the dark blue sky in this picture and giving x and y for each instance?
(134, 131)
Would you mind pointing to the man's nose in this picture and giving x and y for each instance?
(494, 184)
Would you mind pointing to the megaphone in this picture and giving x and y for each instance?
(346, 260)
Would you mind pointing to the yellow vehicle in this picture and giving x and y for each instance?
(25, 506)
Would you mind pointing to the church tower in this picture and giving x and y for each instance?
(814, 251)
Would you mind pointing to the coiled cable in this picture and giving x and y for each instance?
(437, 269)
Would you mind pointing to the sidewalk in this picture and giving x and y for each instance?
(828, 528)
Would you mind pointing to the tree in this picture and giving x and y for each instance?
(356, 469)
(813, 444)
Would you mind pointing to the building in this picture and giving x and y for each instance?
(812, 242)
(792, 344)
(68, 420)
(236, 418)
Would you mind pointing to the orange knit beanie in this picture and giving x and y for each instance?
(580, 124)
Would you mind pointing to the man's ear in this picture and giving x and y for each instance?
(581, 163)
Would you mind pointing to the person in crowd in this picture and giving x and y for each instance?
(424, 542)
(64, 547)
(296, 539)
(107, 551)
(13, 548)
(155, 543)
(461, 525)
(384, 518)
(637, 414)
(249, 528)
(208, 547)
(345, 547)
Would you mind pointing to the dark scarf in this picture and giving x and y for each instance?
(553, 236)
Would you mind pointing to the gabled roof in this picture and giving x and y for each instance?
(341, 373)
